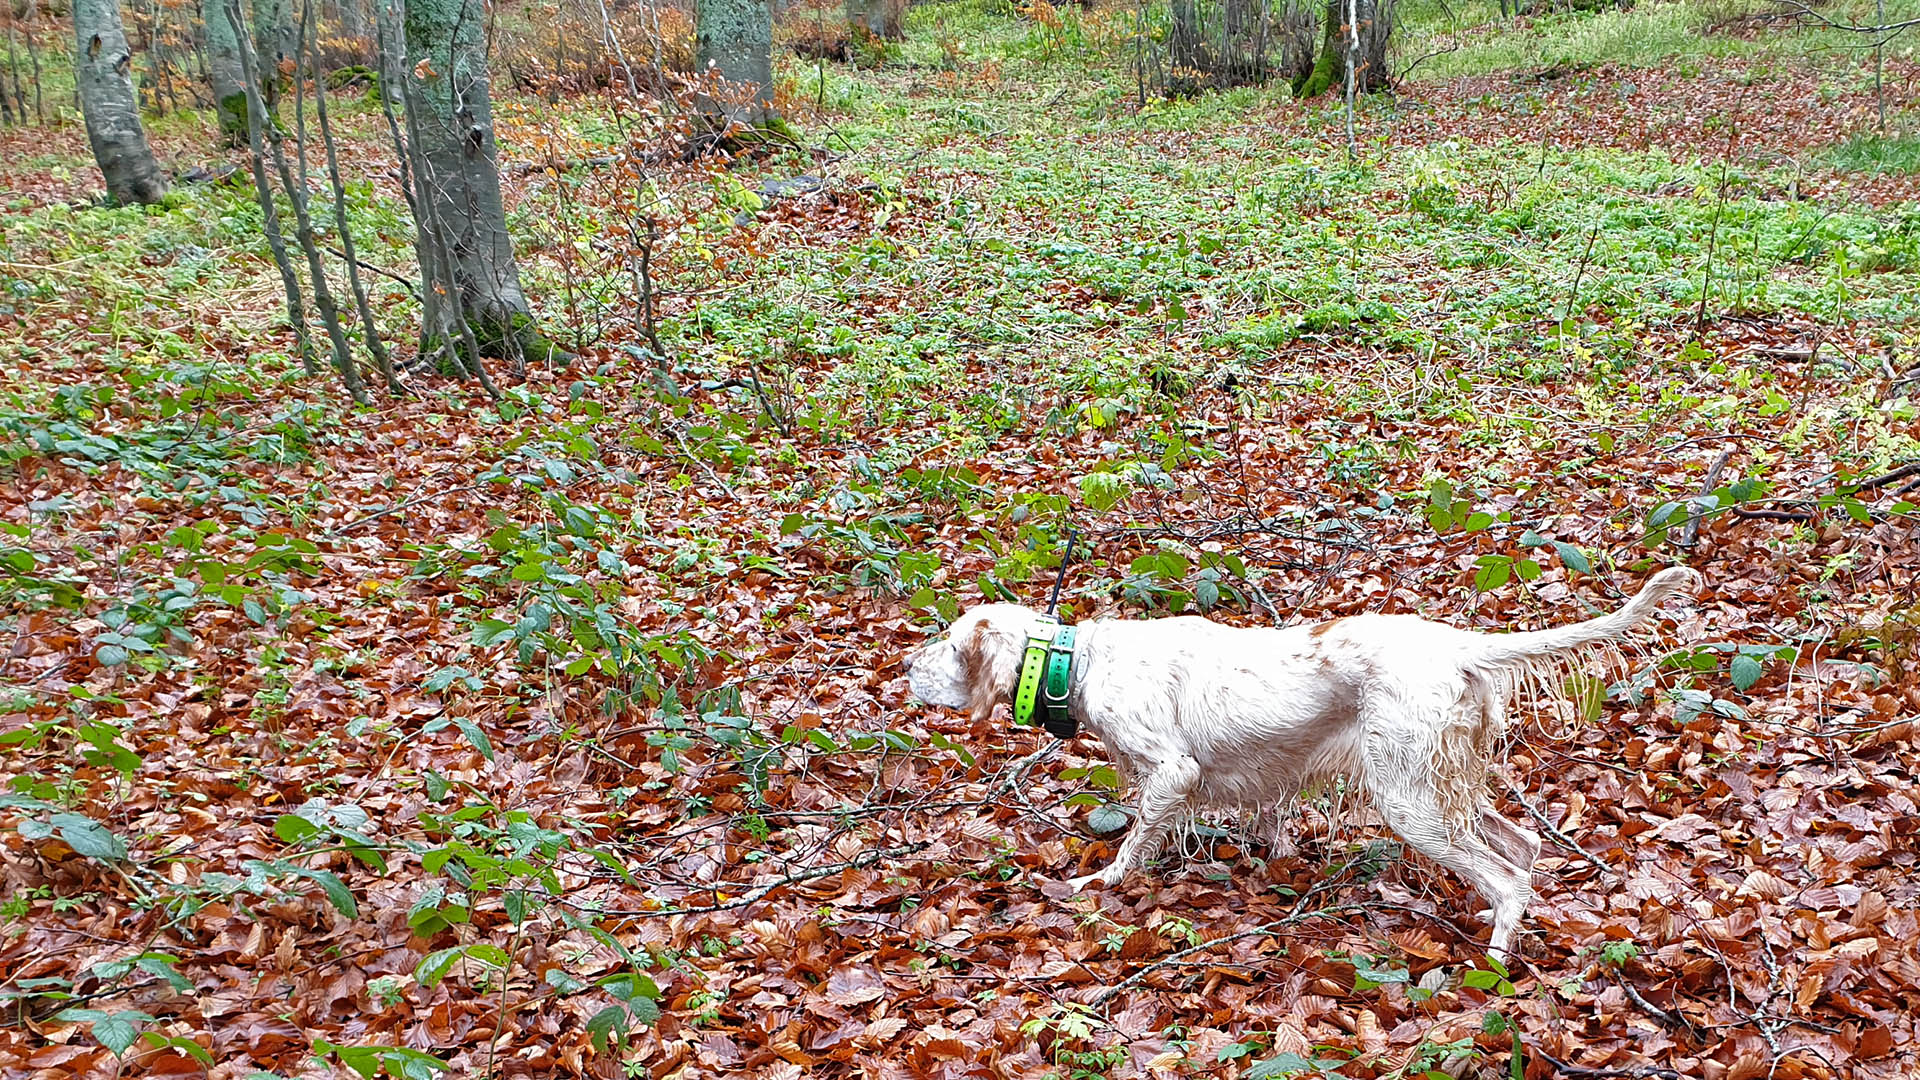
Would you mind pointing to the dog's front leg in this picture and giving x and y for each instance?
(1163, 794)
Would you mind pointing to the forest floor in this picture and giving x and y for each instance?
(566, 734)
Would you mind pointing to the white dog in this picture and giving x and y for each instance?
(1197, 715)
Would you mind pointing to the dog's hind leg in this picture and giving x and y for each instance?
(1163, 798)
(1506, 887)
(1401, 782)
(1519, 847)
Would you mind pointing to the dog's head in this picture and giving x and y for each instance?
(976, 664)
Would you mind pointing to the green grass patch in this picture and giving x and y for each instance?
(1899, 154)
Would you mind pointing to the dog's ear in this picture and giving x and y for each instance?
(991, 664)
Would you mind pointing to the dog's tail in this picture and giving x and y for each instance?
(1521, 650)
(1530, 663)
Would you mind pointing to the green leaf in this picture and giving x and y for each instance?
(490, 631)
(608, 1028)
(1494, 572)
(110, 656)
(1745, 671)
(434, 966)
(1376, 976)
(612, 862)
(490, 955)
(117, 1032)
(1108, 818)
(1280, 1067)
(437, 786)
(630, 986)
(644, 1010)
(412, 1064)
(1572, 557)
(561, 981)
(292, 828)
(90, 838)
(475, 736)
(1478, 520)
(1527, 569)
(161, 964)
(337, 892)
(186, 1046)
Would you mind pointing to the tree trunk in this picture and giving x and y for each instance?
(257, 122)
(224, 71)
(881, 18)
(1244, 44)
(33, 54)
(469, 278)
(735, 40)
(1183, 40)
(102, 75)
(1375, 25)
(272, 30)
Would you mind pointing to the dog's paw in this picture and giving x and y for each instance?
(1080, 884)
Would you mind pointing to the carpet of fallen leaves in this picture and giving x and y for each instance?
(895, 906)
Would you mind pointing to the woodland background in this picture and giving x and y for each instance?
(540, 713)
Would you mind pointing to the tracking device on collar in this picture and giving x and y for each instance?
(1046, 676)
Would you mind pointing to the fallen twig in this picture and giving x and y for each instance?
(1584, 1072)
(385, 273)
(1911, 468)
(1292, 919)
(1772, 515)
(1559, 837)
(1672, 1020)
(397, 507)
(1690, 533)
(757, 893)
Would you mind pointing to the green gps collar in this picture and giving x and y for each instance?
(1046, 674)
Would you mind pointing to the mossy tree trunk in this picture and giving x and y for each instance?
(473, 298)
(272, 35)
(229, 85)
(1372, 21)
(735, 39)
(103, 78)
